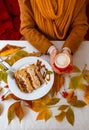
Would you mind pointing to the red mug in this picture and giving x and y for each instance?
(62, 63)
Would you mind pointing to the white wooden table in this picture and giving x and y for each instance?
(80, 58)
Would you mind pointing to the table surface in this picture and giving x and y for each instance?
(80, 58)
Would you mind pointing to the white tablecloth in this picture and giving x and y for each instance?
(80, 58)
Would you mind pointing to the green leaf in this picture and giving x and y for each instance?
(60, 116)
(63, 107)
(70, 116)
(76, 82)
(49, 72)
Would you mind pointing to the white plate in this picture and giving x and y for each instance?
(38, 93)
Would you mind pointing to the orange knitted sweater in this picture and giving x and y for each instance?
(45, 20)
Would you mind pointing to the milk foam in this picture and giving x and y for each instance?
(62, 60)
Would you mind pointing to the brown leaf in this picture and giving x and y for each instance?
(58, 83)
(76, 69)
(29, 103)
(11, 96)
(19, 111)
(53, 101)
(77, 103)
(9, 49)
(1, 109)
(44, 114)
(60, 116)
(63, 107)
(70, 116)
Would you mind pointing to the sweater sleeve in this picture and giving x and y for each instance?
(78, 29)
(28, 28)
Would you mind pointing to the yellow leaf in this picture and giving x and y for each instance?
(60, 116)
(18, 55)
(44, 114)
(76, 81)
(70, 116)
(9, 49)
(19, 111)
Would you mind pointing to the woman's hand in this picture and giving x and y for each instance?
(53, 54)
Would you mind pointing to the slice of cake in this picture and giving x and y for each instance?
(28, 78)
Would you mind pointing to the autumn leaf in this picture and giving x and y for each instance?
(76, 69)
(11, 112)
(58, 83)
(70, 116)
(11, 96)
(1, 108)
(9, 49)
(76, 81)
(29, 103)
(86, 75)
(18, 55)
(44, 114)
(60, 116)
(38, 106)
(70, 95)
(63, 107)
(86, 95)
(15, 108)
(3, 75)
(19, 111)
(77, 103)
(53, 101)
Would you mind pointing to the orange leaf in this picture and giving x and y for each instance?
(60, 116)
(44, 114)
(9, 49)
(19, 111)
(70, 95)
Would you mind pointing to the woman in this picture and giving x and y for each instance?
(45, 20)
